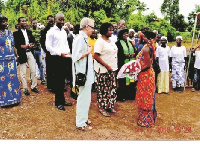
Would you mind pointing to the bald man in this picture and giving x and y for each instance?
(57, 45)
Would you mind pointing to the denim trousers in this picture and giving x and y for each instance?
(38, 58)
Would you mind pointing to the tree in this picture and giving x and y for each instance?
(170, 9)
(179, 23)
(191, 17)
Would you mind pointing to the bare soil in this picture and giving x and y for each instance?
(37, 118)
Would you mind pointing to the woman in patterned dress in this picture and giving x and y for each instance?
(145, 95)
(105, 66)
(10, 93)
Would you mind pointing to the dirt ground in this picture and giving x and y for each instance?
(36, 118)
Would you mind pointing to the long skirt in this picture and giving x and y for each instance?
(145, 97)
(106, 88)
(10, 92)
(196, 83)
(163, 82)
(126, 92)
(178, 74)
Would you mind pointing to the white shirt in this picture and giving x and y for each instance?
(197, 59)
(113, 38)
(25, 36)
(56, 41)
(163, 55)
(80, 47)
(108, 53)
(178, 54)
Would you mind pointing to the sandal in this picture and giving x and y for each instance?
(193, 90)
(113, 111)
(104, 113)
(88, 122)
(84, 128)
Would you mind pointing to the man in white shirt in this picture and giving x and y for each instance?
(24, 43)
(57, 45)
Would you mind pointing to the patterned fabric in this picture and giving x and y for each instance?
(106, 87)
(178, 74)
(196, 83)
(9, 84)
(145, 94)
(146, 118)
(163, 82)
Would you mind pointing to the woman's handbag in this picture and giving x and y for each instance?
(80, 77)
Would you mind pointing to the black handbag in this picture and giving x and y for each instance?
(80, 77)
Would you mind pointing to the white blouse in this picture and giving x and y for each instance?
(163, 55)
(197, 59)
(178, 54)
(108, 53)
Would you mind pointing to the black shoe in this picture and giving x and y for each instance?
(43, 82)
(61, 107)
(67, 104)
(26, 92)
(35, 90)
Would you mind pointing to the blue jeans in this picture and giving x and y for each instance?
(38, 58)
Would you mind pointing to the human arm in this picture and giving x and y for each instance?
(99, 60)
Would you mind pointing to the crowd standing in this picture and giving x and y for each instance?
(60, 51)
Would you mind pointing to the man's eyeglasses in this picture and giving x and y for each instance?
(91, 26)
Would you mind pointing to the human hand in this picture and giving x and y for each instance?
(31, 45)
(89, 49)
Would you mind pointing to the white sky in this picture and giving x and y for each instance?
(185, 6)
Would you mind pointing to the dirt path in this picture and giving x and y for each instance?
(37, 118)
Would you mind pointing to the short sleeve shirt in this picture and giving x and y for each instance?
(108, 53)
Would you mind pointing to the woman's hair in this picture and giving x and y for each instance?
(121, 32)
(104, 28)
(3, 17)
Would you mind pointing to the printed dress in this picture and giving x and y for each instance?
(145, 94)
(178, 63)
(9, 84)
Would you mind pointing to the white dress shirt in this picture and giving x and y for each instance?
(25, 36)
(56, 41)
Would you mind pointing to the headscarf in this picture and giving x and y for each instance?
(179, 37)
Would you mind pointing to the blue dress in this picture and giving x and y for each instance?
(10, 92)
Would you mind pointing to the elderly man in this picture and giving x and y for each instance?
(57, 45)
(81, 54)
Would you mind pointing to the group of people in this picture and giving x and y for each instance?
(100, 59)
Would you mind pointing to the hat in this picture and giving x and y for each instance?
(121, 32)
(131, 30)
(179, 37)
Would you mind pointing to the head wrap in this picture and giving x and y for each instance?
(179, 37)
(132, 30)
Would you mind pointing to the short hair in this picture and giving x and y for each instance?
(49, 16)
(3, 17)
(85, 21)
(19, 19)
(33, 20)
(104, 28)
(121, 32)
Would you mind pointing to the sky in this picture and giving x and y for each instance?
(185, 6)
